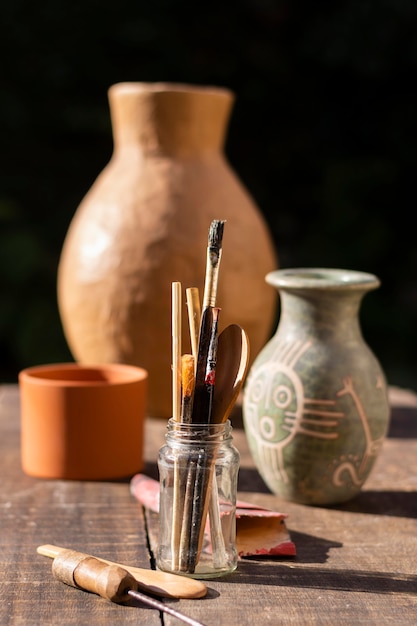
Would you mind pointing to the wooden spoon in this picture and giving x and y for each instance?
(151, 581)
(231, 368)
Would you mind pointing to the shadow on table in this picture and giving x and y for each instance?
(311, 549)
(403, 423)
(315, 578)
(391, 503)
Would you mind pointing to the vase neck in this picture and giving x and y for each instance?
(169, 119)
(327, 313)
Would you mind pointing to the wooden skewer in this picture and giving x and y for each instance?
(176, 351)
(187, 515)
(194, 316)
(176, 414)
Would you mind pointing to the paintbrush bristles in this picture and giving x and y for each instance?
(214, 252)
(187, 368)
(215, 236)
(188, 383)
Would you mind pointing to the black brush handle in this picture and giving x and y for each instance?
(201, 476)
(202, 398)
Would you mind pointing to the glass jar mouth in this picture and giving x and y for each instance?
(322, 278)
(196, 433)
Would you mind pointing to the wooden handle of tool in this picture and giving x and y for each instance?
(149, 580)
(86, 572)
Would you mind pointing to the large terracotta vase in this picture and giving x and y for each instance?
(315, 403)
(144, 224)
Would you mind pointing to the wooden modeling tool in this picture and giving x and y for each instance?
(232, 365)
(151, 581)
(108, 580)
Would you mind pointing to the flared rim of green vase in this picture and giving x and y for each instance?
(322, 278)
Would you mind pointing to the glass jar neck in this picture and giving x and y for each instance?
(197, 434)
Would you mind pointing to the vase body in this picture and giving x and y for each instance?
(144, 224)
(315, 402)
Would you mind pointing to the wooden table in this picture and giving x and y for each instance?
(355, 564)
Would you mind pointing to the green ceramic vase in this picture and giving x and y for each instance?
(315, 403)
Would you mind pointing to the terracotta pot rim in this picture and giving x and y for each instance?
(84, 375)
(322, 278)
(163, 87)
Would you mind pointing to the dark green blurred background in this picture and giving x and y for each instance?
(323, 134)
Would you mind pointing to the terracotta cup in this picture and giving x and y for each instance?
(82, 422)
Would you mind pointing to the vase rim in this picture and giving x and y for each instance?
(163, 87)
(322, 278)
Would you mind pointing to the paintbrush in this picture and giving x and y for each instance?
(202, 403)
(202, 471)
(203, 393)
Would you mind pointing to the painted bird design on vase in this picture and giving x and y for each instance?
(277, 411)
(372, 446)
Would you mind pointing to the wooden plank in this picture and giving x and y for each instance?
(96, 517)
(355, 563)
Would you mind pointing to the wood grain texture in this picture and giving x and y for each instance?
(355, 564)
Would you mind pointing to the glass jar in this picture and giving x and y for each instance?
(198, 469)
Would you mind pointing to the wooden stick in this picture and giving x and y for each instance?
(176, 351)
(194, 317)
(216, 532)
(187, 515)
(176, 414)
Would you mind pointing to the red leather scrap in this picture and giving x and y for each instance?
(259, 531)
